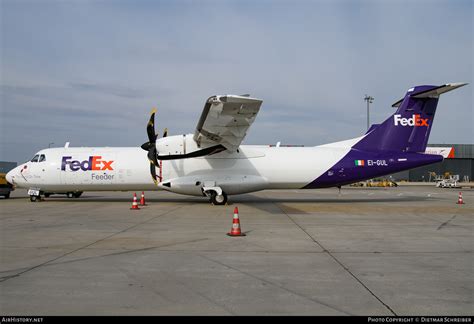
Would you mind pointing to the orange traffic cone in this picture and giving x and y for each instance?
(460, 201)
(142, 199)
(134, 203)
(235, 231)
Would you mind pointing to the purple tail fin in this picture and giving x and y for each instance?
(409, 128)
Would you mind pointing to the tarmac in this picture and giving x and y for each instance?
(366, 251)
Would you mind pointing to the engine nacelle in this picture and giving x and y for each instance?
(183, 147)
(231, 185)
(176, 145)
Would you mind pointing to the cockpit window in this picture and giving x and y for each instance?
(42, 158)
(35, 158)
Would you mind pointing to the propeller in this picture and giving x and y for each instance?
(150, 146)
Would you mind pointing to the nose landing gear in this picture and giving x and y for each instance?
(35, 194)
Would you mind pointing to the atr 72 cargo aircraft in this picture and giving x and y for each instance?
(213, 163)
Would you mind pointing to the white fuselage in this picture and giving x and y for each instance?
(252, 168)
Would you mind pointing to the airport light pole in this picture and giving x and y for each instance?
(369, 100)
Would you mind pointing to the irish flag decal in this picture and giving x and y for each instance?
(359, 162)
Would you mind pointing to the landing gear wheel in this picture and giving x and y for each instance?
(70, 195)
(46, 195)
(34, 198)
(77, 194)
(218, 199)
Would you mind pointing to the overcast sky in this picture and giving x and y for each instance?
(89, 72)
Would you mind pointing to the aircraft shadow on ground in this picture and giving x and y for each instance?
(240, 199)
(271, 205)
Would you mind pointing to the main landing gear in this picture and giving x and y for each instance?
(218, 199)
(215, 195)
(75, 194)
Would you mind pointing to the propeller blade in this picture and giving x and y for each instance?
(153, 172)
(146, 146)
(165, 132)
(152, 156)
(150, 127)
(150, 146)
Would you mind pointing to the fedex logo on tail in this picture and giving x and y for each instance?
(415, 120)
(94, 163)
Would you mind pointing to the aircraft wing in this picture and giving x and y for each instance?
(225, 120)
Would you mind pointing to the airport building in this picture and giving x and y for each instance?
(461, 164)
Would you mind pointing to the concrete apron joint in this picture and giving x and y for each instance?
(338, 262)
(85, 246)
(273, 284)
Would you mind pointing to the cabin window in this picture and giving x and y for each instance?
(42, 158)
(35, 158)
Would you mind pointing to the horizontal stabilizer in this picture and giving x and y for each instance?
(432, 93)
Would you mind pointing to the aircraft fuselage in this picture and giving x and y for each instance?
(251, 168)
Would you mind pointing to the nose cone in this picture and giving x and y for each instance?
(13, 177)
